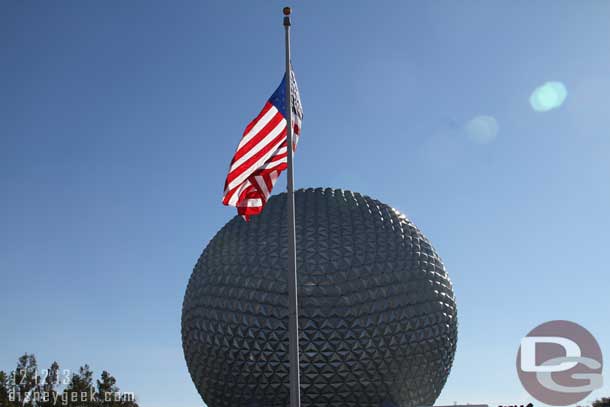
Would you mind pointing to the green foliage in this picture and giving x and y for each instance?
(80, 391)
(603, 402)
(23, 387)
(49, 387)
(3, 389)
(26, 379)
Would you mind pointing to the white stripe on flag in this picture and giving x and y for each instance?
(260, 145)
(258, 126)
(246, 173)
(260, 180)
(251, 202)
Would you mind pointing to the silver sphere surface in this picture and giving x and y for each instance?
(377, 313)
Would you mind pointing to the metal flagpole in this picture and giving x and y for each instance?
(293, 308)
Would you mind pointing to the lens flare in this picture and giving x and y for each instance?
(549, 96)
(482, 129)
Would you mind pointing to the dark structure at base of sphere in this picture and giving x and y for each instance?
(378, 322)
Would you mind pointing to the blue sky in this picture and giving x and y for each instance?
(118, 121)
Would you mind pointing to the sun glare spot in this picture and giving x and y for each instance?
(482, 129)
(549, 96)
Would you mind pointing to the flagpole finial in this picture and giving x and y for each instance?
(287, 11)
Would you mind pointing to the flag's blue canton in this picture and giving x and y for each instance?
(278, 99)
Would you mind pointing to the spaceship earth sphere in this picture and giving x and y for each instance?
(377, 313)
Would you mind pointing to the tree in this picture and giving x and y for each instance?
(107, 390)
(80, 391)
(603, 402)
(25, 379)
(109, 395)
(4, 389)
(49, 388)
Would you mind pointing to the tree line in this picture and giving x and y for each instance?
(29, 386)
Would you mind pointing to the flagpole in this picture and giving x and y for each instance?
(293, 308)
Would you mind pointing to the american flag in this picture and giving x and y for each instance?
(262, 153)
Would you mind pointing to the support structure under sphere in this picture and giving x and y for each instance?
(377, 314)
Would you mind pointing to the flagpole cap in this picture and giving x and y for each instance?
(287, 11)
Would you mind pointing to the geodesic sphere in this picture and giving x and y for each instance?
(377, 314)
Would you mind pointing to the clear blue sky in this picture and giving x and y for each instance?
(118, 121)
